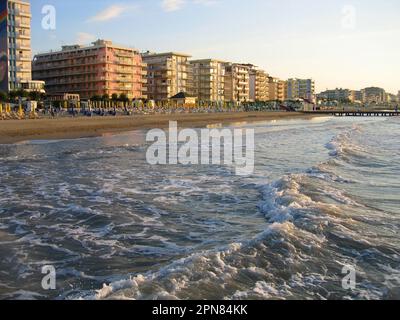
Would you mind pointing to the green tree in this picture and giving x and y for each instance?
(34, 96)
(12, 95)
(57, 104)
(105, 97)
(21, 93)
(3, 96)
(123, 97)
(114, 97)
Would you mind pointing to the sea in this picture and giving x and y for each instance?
(318, 219)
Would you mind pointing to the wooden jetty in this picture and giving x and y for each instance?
(383, 113)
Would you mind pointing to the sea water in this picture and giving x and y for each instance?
(325, 194)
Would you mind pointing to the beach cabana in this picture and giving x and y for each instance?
(182, 99)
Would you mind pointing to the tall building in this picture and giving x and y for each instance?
(168, 74)
(356, 96)
(338, 94)
(373, 95)
(259, 85)
(282, 92)
(300, 89)
(277, 89)
(237, 82)
(208, 80)
(100, 69)
(15, 47)
(391, 98)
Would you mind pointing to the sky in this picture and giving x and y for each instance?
(339, 43)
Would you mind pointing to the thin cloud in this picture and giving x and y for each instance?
(85, 38)
(175, 5)
(112, 12)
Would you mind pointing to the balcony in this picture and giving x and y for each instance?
(124, 54)
(242, 71)
(23, 71)
(123, 63)
(22, 47)
(21, 24)
(22, 13)
(167, 67)
(242, 84)
(21, 57)
(125, 71)
(23, 35)
(124, 80)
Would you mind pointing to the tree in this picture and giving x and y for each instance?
(57, 104)
(3, 96)
(105, 97)
(123, 97)
(13, 95)
(34, 96)
(114, 97)
(96, 97)
(21, 93)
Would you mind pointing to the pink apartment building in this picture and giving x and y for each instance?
(100, 69)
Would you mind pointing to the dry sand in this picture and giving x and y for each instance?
(12, 131)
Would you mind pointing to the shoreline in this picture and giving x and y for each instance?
(14, 131)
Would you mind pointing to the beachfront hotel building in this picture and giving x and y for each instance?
(167, 75)
(277, 89)
(356, 96)
(391, 98)
(100, 69)
(259, 85)
(15, 47)
(237, 82)
(208, 80)
(300, 89)
(337, 94)
(373, 95)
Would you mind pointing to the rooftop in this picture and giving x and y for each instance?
(154, 54)
(100, 43)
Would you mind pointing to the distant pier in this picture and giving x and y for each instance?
(357, 113)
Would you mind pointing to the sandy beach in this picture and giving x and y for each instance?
(13, 131)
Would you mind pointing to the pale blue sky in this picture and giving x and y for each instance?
(350, 44)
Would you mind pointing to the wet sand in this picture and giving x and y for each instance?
(13, 131)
